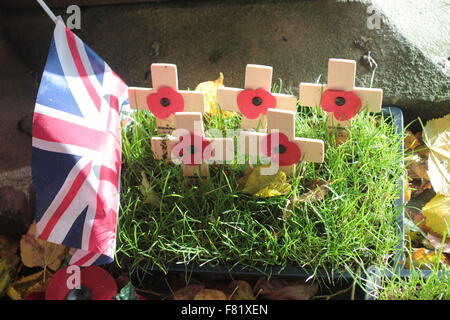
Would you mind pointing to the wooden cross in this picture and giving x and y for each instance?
(254, 100)
(340, 98)
(280, 142)
(189, 145)
(164, 99)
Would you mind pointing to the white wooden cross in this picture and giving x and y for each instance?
(280, 142)
(196, 149)
(340, 94)
(254, 100)
(164, 99)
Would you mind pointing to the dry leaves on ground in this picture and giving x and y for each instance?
(40, 253)
(21, 288)
(264, 186)
(284, 289)
(210, 294)
(188, 293)
(241, 290)
(436, 135)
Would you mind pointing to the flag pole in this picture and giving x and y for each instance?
(47, 10)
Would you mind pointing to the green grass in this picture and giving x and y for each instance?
(214, 223)
(435, 285)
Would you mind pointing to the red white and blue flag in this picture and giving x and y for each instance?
(77, 150)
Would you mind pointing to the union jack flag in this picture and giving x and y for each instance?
(76, 155)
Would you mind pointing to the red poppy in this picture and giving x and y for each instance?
(96, 284)
(282, 151)
(253, 103)
(165, 102)
(344, 104)
(194, 145)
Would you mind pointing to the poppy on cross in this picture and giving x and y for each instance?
(164, 99)
(340, 98)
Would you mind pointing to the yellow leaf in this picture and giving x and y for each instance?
(40, 253)
(147, 191)
(7, 269)
(436, 135)
(265, 186)
(437, 214)
(37, 282)
(209, 88)
(422, 257)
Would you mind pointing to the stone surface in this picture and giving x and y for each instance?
(16, 214)
(17, 93)
(295, 37)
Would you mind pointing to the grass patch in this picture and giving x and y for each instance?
(433, 284)
(216, 224)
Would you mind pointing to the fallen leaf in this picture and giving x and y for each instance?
(341, 136)
(128, 292)
(411, 141)
(265, 186)
(417, 187)
(407, 190)
(436, 135)
(423, 257)
(7, 270)
(283, 289)
(317, 194)
(21, 288)
(417, 169)
(210, 294)
(209, 88)
(241, 290)
(40, 253)
(8, 246)
(437, 214)
(149, 194)
(189, 292)
(436, 242)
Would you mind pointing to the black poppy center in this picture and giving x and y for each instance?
(257, 101)
(192, 149)
(340, 101)
(280, 149)
(165, 102)
(79, 294)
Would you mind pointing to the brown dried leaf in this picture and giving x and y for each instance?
(40, 253)
(282, 289)
(210, 294)
(411, 141)
(435, 241)
(418, 187)
(8, 247)
(341, 137)
(317, 194)
(189, 292)
(418, 169)
(241, 290)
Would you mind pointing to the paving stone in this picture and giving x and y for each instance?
(296, 37)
